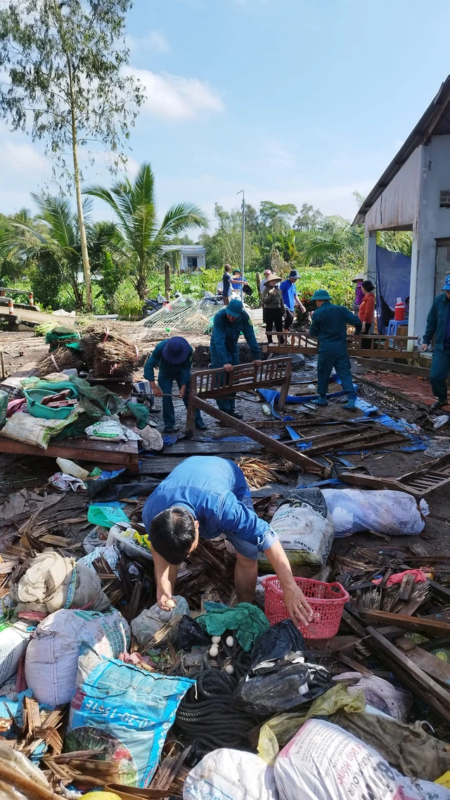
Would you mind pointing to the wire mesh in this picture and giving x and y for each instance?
(184, 314)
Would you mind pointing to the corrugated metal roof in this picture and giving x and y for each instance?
(435, 121)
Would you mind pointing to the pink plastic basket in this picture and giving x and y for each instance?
(327, 601)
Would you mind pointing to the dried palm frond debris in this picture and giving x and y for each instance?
(258, 472)
(60, 359)
(106, 353)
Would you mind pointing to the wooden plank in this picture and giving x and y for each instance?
(418, 681)
(272, 444)
(80, 448)
(190, 447)
(439, 670)
(419, 624)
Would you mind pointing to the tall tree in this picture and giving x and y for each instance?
(63, 61)
(139, 236)
(308, 218)
(276, 216)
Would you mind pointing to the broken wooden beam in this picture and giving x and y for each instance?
(307, 464)
(409, 673)
(418, 624)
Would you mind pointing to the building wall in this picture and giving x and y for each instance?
(398, 206)
(433, 223)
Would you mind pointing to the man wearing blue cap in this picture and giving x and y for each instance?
(290, 298)
(438, 325)
(174, 359)
(329, 327)
(228, 325)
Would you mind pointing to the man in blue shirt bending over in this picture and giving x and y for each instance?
(202, 498)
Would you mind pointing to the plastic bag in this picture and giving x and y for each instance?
(323, 762)
(280, 640)
(383, 511)
(302, 525)
(127, 708)
(151, 620)
(380, 694)
(279, 730)
(225, 774)
(190, 634)
(287, 687)
(52, 656)
(106, 516)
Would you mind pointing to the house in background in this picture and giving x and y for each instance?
(413, 194)
(192, 256)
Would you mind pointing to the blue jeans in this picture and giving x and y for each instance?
(165, 383)
(341, 363)
(440, 367)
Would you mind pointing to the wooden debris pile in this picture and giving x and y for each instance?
(62, 358)
(210, 568)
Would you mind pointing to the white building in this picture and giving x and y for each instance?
(414, 194)
(192, 256)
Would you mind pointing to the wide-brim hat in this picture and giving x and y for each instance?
(446, 286)
(359, 277)
(176, 350)
(234, 308)
(293, 274)
(321, 294)
(272, 277)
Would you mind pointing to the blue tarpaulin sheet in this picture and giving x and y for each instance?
(393, 281)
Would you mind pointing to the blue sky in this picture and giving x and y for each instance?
(292, 100)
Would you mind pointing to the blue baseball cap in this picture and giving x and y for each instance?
(446, 286)
(234, 308)
(176, 350)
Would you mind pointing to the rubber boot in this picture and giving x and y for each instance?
(350, 405)
(321, 401)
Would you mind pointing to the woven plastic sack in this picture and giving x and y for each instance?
(324, 762)
(151, 620)
(225, 774)
(33, 430)
(52, 656)
(303, 528)
(129, 710)
(382, 511)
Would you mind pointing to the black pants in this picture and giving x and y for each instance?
(271, 317)
(289, 319)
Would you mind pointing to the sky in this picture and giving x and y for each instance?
(294, 101)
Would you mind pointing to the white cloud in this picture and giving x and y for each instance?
(22, 157)
(174, 97)
(153, 40)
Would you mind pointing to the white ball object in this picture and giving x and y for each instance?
(215, 639)
(229, 669)
(230, 641)
(213, 650)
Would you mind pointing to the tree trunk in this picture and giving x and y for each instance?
(76, 174)
(141, 282)
(167, 280)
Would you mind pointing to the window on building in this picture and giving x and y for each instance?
(445, 198)
(442, 263)
(192, 262)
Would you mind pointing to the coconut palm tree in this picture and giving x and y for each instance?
(51, 240)
(139, 235)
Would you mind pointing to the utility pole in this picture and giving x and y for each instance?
(243, 242)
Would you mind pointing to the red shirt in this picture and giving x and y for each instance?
(367, 308)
